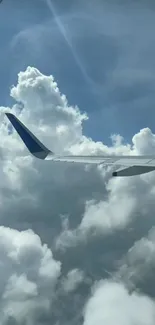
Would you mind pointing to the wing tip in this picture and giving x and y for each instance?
(32, 143)
(8, 114)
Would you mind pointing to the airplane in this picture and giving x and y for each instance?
(132, 165)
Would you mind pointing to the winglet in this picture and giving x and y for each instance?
(35, 147)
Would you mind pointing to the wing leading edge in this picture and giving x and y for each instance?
(132, 165)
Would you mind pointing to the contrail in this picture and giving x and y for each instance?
(64, 33)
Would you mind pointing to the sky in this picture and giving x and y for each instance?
(76, 245)
(101, 54)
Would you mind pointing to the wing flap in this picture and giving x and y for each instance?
(133, 170)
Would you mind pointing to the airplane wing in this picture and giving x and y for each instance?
(130, 165)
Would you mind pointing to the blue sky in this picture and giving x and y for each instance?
(101, 54)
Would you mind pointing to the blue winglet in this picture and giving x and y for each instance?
(32, 143)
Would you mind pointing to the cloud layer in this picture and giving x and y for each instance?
(82, 223)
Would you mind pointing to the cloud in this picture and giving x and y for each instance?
(111, 303)
(117, 211)
(73, 279)
(103, 217)
(40, 94)
(137, 269)
(47, 112)
(77, 208)
(102, 38)
(101, 223)
(29, 274)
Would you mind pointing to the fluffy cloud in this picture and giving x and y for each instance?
(112, 304)
(29, 274)
(80, 209)
(73, 279)
(40, 95)
(119, 209)
(137, 269)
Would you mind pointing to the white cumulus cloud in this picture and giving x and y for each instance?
(28, 275)
(73, 279)
(35, 195)
(112, 304)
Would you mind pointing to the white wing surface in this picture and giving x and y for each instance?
(130, 165)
